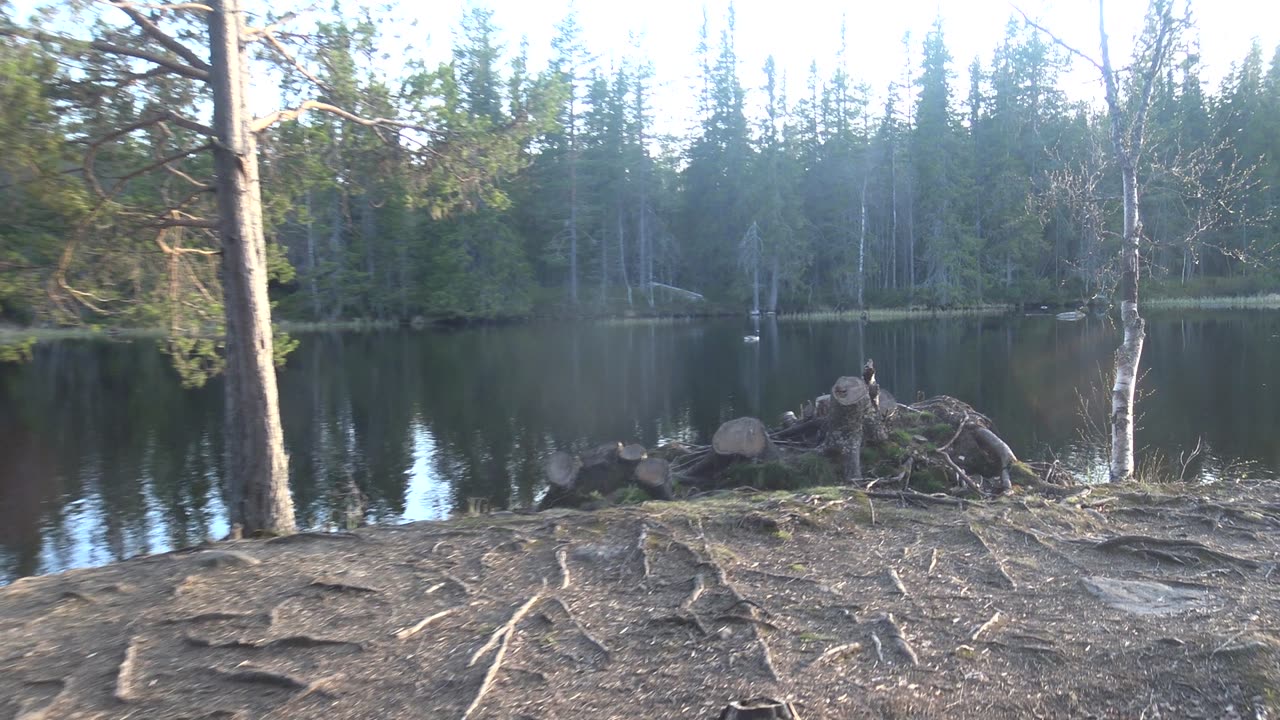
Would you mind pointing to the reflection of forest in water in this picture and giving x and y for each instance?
(103, 455)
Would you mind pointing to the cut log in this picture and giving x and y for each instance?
(599, 455)
(888, 403)
(869, 377)
(562, 469)
(806, 410)
(760, 709)
(992, 443)
(654, 475)
(632, 453)
(850, 405)
(744, 437)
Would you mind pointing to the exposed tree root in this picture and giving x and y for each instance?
(642, 547)
(408, 632)
(500, 635)
(994, 557)
(124, 691)
(342, 586)
(263, 677)
(894, 632)
(837, 651)
(682, 618)
(212, 616)
(582, 630)
(766, 658)
(933, 562)
(898, 585)
(562, 562)
(699, 585)
(292, 641)
(985, 626)
(302, 537)
(875, 640)
(1182, 552)
(908, 495)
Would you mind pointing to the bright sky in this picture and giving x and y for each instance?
(797, 32)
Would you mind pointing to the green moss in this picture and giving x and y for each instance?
(803, 471)
(782, 535)
(900, 437)
(630, 495)
(930, 480)
(1022, 474)
(940, 431)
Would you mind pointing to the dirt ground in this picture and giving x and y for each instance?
(1122, 602)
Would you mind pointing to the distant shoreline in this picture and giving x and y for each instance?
(13, 334)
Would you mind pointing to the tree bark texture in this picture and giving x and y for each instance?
(850, 404)
(257, 468)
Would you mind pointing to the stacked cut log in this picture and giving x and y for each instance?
(604, 469)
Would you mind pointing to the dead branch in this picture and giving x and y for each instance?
(155, 33)
(875, 639)
(933, 562)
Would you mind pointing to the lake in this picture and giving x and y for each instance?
(104, 455)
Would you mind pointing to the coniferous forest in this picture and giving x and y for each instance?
(485, 188)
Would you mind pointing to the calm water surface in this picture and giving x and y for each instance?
(103, 455)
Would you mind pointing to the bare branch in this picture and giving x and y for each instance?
(1057, 40)
(276, 45)
(168, 63)
(267, 121)
(160, 36)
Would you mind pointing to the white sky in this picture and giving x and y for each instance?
(797, 32)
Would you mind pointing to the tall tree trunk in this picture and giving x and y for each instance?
(313, 271)
(862, 240)
(257, 469)
(337, 221)
(773, 284)
(573, 203)
(622, 255)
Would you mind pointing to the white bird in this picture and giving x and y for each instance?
(750, 338)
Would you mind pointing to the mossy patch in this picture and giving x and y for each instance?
(802, 471)
(930, 480)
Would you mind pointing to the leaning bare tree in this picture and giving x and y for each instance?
(194, 57)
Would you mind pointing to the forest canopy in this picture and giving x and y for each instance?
(558, 191)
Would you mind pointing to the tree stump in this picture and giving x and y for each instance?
(873, 426)
(744, 437)
(654, 475)
(822, 406)
(760, 709)
(850, 405)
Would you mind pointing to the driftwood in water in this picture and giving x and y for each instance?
(654, 475)
(850, 404)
